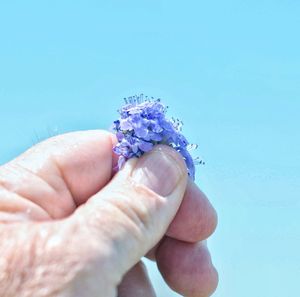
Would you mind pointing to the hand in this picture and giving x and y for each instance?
(69, 229)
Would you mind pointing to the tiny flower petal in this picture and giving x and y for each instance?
(125, 124)
(121, 161)
(146, 146)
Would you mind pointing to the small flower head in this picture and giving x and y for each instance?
(143, 124)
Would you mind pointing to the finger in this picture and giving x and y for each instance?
(12, 208)
(151, 253)
(83, 159)
(187, 267)
(133, 211)
(136, 283)
(62, 172)
(196, 218)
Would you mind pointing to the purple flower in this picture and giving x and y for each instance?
(143, 124)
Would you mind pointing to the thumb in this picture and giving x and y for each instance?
(132, 213)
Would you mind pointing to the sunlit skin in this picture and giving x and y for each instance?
(68, 228)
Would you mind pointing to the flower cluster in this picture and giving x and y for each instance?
(143, 124)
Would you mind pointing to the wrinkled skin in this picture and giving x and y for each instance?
(69, 228)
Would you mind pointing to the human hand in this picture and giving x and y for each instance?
(69, 229)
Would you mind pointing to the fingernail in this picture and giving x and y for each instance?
(159, 171)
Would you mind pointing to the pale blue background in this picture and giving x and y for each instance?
(229, 69)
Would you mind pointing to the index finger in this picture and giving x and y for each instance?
(60, 173)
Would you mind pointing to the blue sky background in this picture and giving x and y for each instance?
(229, 69)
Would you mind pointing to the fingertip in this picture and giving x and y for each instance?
(196, 218)
(187, 267)
(160, 170)
(115, 157)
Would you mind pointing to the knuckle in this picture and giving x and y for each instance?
(126, 210)
(138, 204)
